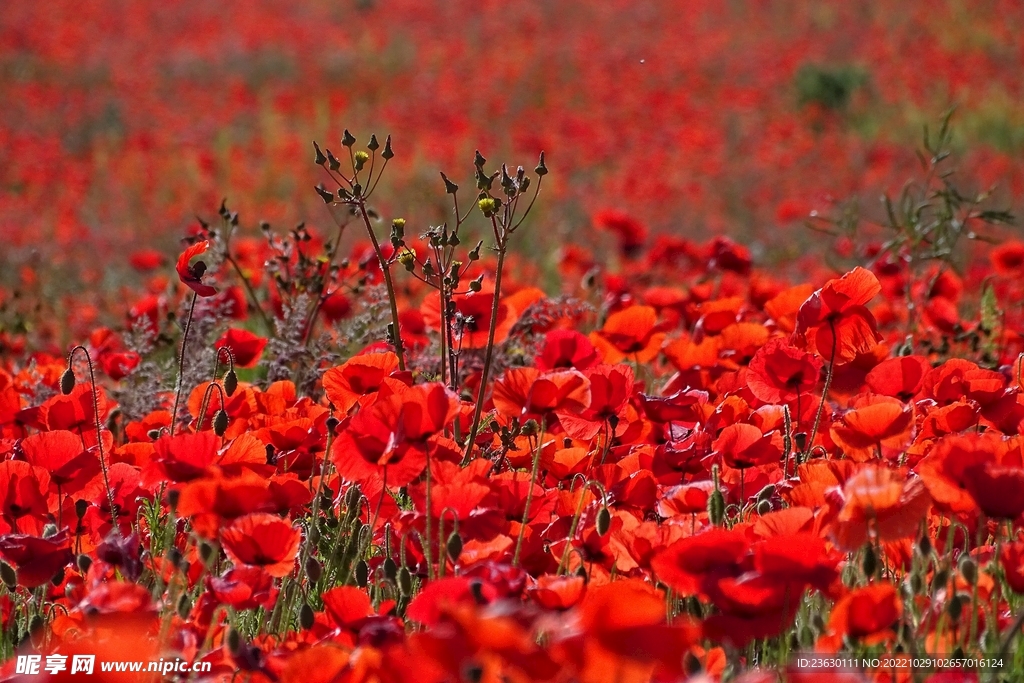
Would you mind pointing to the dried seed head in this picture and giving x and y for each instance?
(348, 139)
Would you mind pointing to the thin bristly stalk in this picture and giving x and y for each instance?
(529, 491)
(828, 385)
(385, 267)
(181, 361)
(99, 433)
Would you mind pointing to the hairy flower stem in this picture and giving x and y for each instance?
(529, 492)
(489, 351)
(828, 385)
(99, 434)
(181, 361)
(385, 268)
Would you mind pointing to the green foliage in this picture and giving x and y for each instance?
(828, 87)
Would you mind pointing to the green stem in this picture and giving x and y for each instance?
(529, 492)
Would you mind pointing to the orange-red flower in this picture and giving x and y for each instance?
(630, 333)
(779, 372)
(879, 503)
(245, 346)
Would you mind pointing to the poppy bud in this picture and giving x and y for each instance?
(362, 574)
(220, 423)
(153, 434)
(35, 623)
(691, 665)
(271, 458)
(716, 507)
(581, 572)
(693, 607)
(454, 547)
(916, 584)
(81, 505)
(390, 569)
(477, 284)
(234, 641)
(313, 569)
(806, 636)
(173, 496)
(230, 382)
(314, 535)
(8, 575)
(767, 493)
(940, 579)
(604, 521)
(352, 497)
(955, 607)
(205, 552)
(764, 507)
(405, 581)
(84, 562)
(319, 159)
(818, 622)
(530, 428)
(472, 672)
(49, 530)
(306, 617)
(184, 606)
(968, 569)
(800, 438)
(869, 563)
(924, 545)
(58, 577)
(67, 381)
(174, 556)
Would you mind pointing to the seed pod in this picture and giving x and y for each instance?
(220, 423)
(84, 562)
(716, 507)
(454, 547)
(362, 574)
(306, 617)
(390, 569)
(405, 581)
(604, 521)
(319, 159)
(869, 564)
(9, 576)
(230, 382)
(541, 169)
(67, 381)
(313, 569)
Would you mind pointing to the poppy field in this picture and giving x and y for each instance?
(359, 342)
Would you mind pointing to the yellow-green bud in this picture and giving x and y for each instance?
(488, 205)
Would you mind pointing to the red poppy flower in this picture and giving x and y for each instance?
(192, 274)
(61, 454)
(630, 333)
(23, 492)
(1008, 258)
(631, 233)
(742, 445)
(611, 387)
(874, 423)
(36, 559)
(184, 457)
(527, 392)
(119, 364)
(900, 377)
(566, 349)
(391, 437)
(359, 376)
(1012, 560)
(779, 372)
(835, 315)
(867, 615)
(474, 311)
(976, 471)
(245, 346)
(688, 564)
(879, 503)
(262, 540)
(243, 587)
